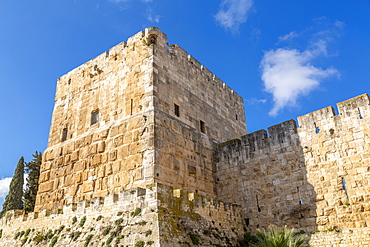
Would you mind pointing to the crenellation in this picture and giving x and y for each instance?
(145, 137)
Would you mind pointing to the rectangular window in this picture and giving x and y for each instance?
(177, 110)
(131, 106)
(64, 134)
(94, 117)
(202, 126)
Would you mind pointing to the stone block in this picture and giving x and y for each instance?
(88, 186)
(47, 186)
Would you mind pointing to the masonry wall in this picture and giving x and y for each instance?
(313, 178)
(156, 216)
(184, 148)
(85, 160)
(138, 137)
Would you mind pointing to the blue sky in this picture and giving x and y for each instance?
(285, 58)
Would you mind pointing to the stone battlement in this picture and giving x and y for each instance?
(130, 199)
(135, 209)
(135, 139)
(286, 133)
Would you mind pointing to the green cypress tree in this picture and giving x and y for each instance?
(14, 198)
(33, 170)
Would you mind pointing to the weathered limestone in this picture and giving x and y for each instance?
(138, 138)
(134, 147)
(157, 216)
(313, 177)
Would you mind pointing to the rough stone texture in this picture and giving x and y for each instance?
(138, 139)
(314, 177)
(157, 215)
(154, 145)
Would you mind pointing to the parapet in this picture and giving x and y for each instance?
(152, 196)
(352, 110)
(286, 133)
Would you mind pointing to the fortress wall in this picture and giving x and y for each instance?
(166, 217)
(299, 176)
(265, 174)
(337, 160)
(115, 153)
(184, 148)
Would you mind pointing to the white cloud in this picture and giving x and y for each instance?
(233, 13)
(151, 17)
(288, 74)
(255, 101)
(4, 187)
(288, 36)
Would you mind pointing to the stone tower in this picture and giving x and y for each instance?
(142, 113)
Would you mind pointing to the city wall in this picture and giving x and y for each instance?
(157, 216)
(313, 177)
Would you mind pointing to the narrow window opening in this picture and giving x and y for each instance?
(317, 129)
(345, 187)
(177, 110)
(94, 117)
(258, 206)
(236, 117)
(152, 39)
(202, 126)
(131, 106)
(359, 113)
(299, 196)
(64, 134)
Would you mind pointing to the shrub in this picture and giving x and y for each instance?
(49, 234)
(60, 229)
(194, 239)
(118, 222)
(75, 235)
(99, 218)
(38, 238)
(107, 230)
(149, 242)
(140, 244)
(142, 223)
(147, 233)
(136, 212)
(74, 219)
(119, 213)
(88, 239)
(24, 241)
(279, 236)
(27, 232)
(53, 241)
(117, 231)
(109, 240)
(83, 220)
